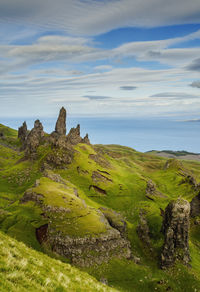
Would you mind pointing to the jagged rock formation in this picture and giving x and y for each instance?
(60, 127)
(58, 139)
(74, 137)
(86, 140)
(33, 139)
(22, 135)
(175, 228)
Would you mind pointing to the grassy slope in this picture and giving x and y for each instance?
(127, 173)
(24, 269)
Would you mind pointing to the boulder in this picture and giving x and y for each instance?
(176, 229)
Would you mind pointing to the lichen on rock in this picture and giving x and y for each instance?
(175, 229)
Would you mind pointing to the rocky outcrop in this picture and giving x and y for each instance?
(175, 229)
(22, 135)
(195, 206)
(33, 139)
(115, 220)
(88, 251)
(86, 140)
(59, 158)
(74, 137)
(30, 195)
(98, 177)
(60, 127)
(152, 192)
(61, 145)
(143, 230)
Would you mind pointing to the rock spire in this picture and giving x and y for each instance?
(175, 228)
(22, 135)
(60, 127)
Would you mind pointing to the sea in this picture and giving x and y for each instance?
(140, 134)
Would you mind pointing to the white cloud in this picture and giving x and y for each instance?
(93, 17)
(175, 95)
(103, 68)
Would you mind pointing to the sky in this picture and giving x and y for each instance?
(107, 58)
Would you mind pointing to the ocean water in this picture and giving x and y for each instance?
(140, 134)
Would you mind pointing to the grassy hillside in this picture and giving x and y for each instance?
(23, 269)
(109, 176)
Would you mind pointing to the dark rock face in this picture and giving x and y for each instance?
(22, 135)
(175, 228)
(74, 137)
(195, 206)
(61, 122)
(86, 140)
(33, 139)
(59, 159)
(89, 251)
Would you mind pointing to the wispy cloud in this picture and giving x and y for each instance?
(94, 17)
(128, 88)
(97, 97)
(174, 95)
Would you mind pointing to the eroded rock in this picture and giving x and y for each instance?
(22, 135)
(59, 159)
(175, 229)
(33, 139)
(74, 137)
(86, 140)
(60, 127)
(195, 206)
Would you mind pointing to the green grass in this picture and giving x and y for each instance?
(125, 173)
(24, 269)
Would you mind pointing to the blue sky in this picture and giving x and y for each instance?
(121, 58)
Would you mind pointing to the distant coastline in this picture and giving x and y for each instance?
(176, 154)
(193, 121)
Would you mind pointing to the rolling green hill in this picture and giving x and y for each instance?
(74, 211)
